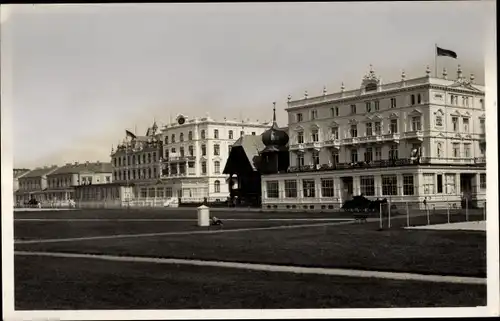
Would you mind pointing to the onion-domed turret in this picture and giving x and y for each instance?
(275, 138)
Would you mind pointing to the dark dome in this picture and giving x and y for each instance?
(275, 136)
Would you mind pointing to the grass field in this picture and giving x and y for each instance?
(76, 283)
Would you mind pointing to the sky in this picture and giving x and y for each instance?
(82, 74)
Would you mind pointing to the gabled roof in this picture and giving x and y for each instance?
(252, 145)
(96, 167)
(19, 172)
(39, 172)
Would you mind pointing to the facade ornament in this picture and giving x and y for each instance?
(472, 77)
(289, 98)
(324, 90)
(428, 71)
(445, 73)
(459, 72)
(342, 87)
(305, 94)
(403, 75)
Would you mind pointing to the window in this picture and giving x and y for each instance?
(354, 155)
(389, 185)
(439, 121)
(203, 150)
(168, 192)
(314, 114)
(439, 150)
(416, 125)
(456, 149)
(393, 152)
(190, 135)
(353, 109)
(336, 111)
(367, 184)
(166, 140)
(242, 133)
(419, 101)
(481, 102)
(216, 133)
(290, 188)
(335, 133)
(173, 138)
(467, 151)
(454, 121)
(253, 133)
(439, 183)
(354, 131)
(378, 153)
(465, 101)
(181, 151)
(300, 137)
(144, 156)
(191, 150)
(217, 186)
(368, 106)
(108, 179)
(272, 189)
(299, 117)
(413, 99)
(154, 156)
(217, 167)
(335, 156)
(154, 172)
(450, 183)
(482, 181)
(378, 128)
(394, 126)
(203, 168)
(309, 188)
(216, 149)
(300, 159)
(482, 127)
(368, 154)
(181, 137)
(315, 157)
(369, 130)
(377, 105)
(166, 154)
(327, 187)
(466, 124)
(393, 102)
(314, 135)
(408, 187)
(172, 150)
(203, 134)
(428, 183)
(119, 161)
(230, 134)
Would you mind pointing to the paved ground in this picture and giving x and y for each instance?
(463, 226)
(113, 259)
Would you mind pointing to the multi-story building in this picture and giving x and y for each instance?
(409, 140)
(32, 184)
(137, 162)
(17, 173)
(194, 155)
(61, 183)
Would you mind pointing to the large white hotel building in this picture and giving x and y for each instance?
(410, 140)
(184, 159)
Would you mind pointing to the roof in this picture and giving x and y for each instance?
(96, 167)
(39, 172)
(252, 145)
(18, 172)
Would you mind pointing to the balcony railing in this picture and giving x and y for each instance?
(332, 143)
(414, 134)
(313, 145)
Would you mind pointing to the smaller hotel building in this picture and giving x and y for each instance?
(408, 141)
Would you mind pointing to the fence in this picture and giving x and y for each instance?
(416, 216)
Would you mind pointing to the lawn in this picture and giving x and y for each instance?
(73, 284)
(358, 246)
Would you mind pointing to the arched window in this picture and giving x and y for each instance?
(217, 167)
(217, 186)
(202, 134)
(190, 135)
(419, 99)
(166, 140)
(149, 172)
(173, 138)
(413, 99)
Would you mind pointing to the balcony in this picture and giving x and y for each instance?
(180, 159)
(297, 147)
(482, 138)
(351, 166)
(480, 160)
(370, 139)
(416, 134)
(391, 137)
(335, 143)
(350, 141)
(313, 145)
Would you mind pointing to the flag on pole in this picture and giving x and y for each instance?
(130, 134)
(446, 53)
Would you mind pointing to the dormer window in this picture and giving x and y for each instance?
(371, 87)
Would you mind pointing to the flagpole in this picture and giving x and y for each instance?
(435, 60)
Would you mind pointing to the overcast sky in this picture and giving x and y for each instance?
(82, 74)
